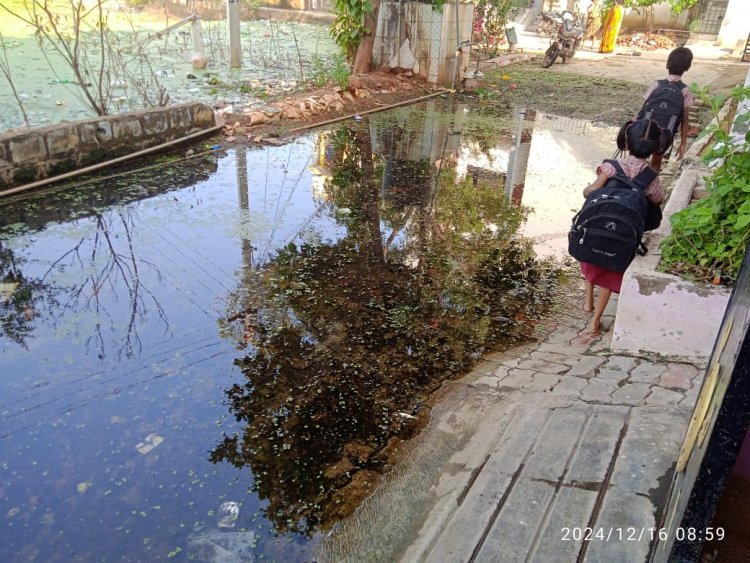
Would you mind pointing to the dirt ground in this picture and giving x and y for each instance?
(599, 89)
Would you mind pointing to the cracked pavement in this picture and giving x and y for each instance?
(532, 449)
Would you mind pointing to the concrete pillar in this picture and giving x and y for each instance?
(199, 55)
(233, 21)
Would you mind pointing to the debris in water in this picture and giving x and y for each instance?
(151, 441)
(228, 513)
(7, 290)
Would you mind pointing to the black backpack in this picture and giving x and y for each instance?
(607, 230)
(665, 105)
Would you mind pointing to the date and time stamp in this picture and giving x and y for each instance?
(641, 534)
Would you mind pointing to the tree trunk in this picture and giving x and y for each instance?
(363, 58)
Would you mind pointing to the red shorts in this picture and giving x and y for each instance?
(602, 277)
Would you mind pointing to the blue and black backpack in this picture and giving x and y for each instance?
(665, 105)
(607, 231)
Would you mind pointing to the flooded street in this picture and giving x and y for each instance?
(217, 357)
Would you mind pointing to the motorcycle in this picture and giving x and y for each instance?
(565, 43)
(547, 23)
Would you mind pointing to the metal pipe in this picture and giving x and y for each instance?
(106, 163)
(342, 118)
(458, 49)
(160, 34)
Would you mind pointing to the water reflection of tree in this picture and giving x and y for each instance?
(110, 263)
(25, 296)
(345, 345)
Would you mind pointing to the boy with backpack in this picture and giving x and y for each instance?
(667, 102)
(606, 233)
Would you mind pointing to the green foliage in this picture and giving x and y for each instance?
(709, 237)
(349, 28)
(319, 74)
(675, 6)
(340, 72)
(679, 6)
(497, 13)
(336, 71)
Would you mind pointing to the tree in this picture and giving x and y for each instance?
(78, 33)
(675, 6)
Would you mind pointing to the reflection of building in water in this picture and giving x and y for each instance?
(563, 158)
(519, 158)
(412, 145)
(485, 177)
(416, 143)
(320, 168)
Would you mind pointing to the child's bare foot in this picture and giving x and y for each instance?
(595, 327)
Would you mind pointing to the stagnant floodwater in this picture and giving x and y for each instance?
(207, 360)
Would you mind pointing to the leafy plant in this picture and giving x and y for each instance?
(497, 13)
(340, 72)
(336, 70)
(349, 28)
(709, 237)
(319, 75)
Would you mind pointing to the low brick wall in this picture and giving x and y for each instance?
(35, 154)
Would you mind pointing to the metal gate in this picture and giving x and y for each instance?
(710, 16)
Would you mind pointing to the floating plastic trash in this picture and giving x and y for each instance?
(215, 147)
(151, 441)
(7, 290)
(228, 513)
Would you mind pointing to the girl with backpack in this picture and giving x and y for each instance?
(640, 139)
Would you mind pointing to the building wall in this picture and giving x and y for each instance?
(30, 155)
(735, 26)
(654, 17)
(413, 32)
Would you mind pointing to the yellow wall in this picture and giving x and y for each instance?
(287, 4)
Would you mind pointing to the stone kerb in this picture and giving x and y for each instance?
(30, 155)
(661, 314)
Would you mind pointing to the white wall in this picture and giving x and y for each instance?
(736, 24)
(654, 17)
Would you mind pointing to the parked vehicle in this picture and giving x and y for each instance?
(547, 23)
(565, 43)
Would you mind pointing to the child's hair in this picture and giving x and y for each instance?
(643, 137)
(679, 61)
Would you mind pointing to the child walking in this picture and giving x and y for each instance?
(640, 139)
(668, 101)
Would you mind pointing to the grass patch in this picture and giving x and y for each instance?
(561, 93)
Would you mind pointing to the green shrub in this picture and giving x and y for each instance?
(709, 237)
(340, 72)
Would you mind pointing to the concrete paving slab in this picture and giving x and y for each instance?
(647, 372)
(586, 366)
(599, 390)
(512, 536)
(570, 386)
(631, 394)
(625, 522)
(593, 457)
(660, 397)
(476, 510)
(570, 509)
